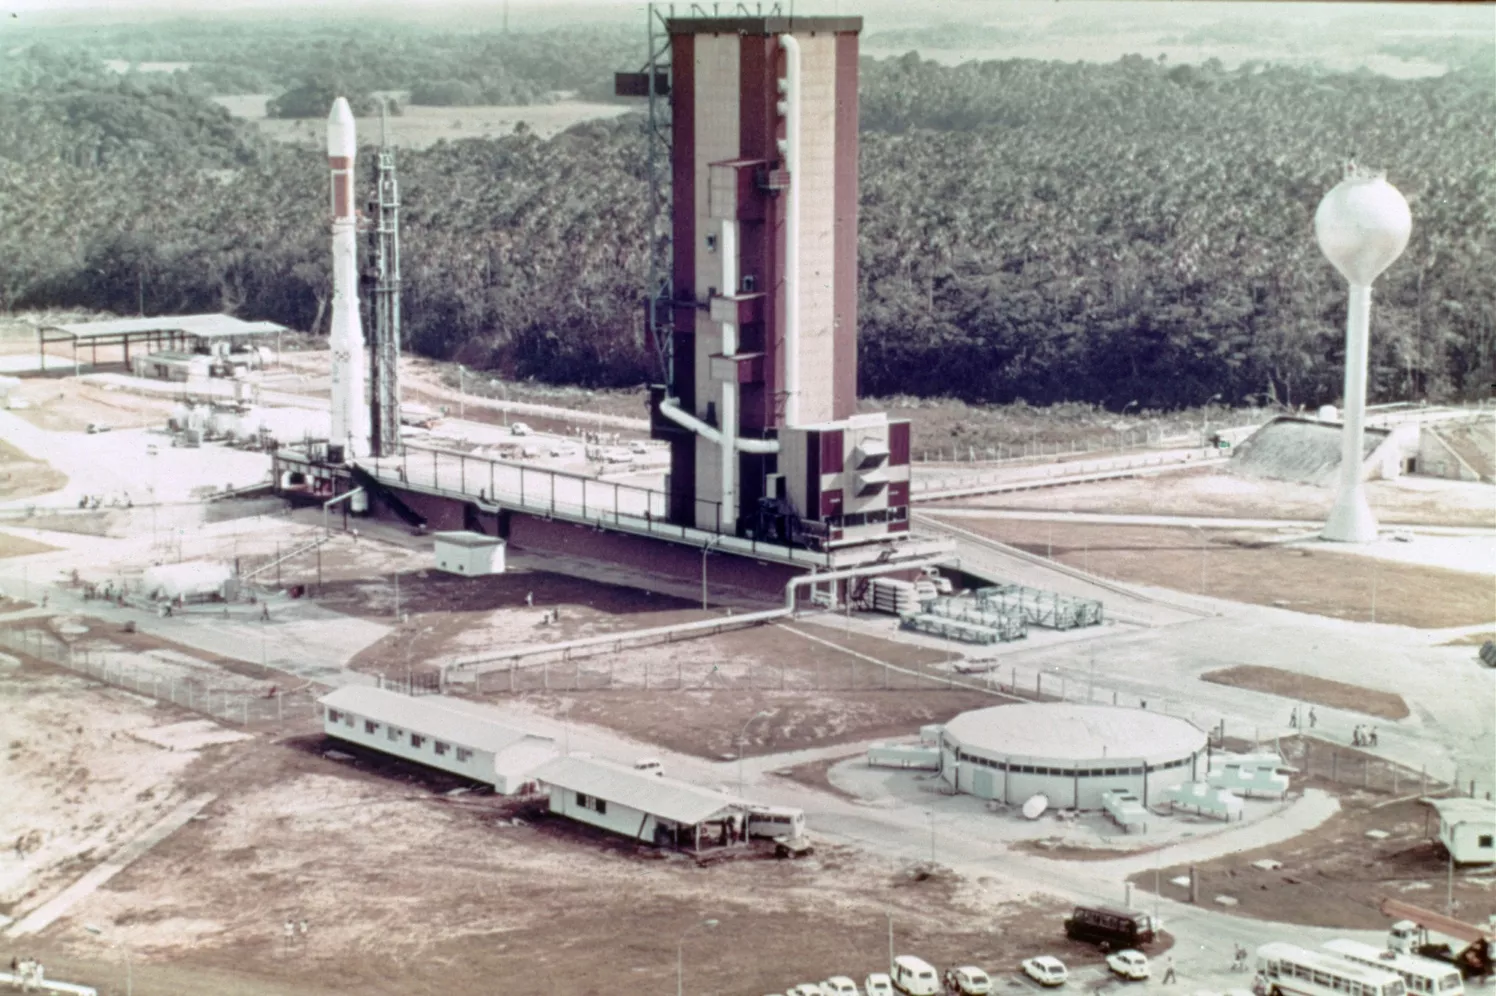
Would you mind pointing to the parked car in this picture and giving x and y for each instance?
(914, 976)
(1116, 928)
(877, 984)
(839, 985)
(1046, 971)
(804, 989)
(519, 429)
(971, 981)
(96, 427)
(1129, 964)
(650, 766)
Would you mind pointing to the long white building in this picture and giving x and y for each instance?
(464, 738)
(649, 808)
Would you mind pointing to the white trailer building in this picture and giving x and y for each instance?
(469, 554)
(649, 808)
(1467, 829)
(464, 738)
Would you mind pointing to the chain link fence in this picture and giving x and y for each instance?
(269, 704)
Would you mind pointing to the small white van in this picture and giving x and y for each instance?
(914, 976)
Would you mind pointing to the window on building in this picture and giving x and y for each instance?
(333, 715)
(348, 719)
(464, 755)
(601, 807)
(441, 748)
(583, 800)
(370, 726)
(1485, 840)
(417, 741)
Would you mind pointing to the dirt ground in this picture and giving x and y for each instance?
(455, 616)
(23, 477)
(19, 546)
(1211, 492)
(1334, 876)
(1240, 566)
(1305, 688)
(407, 890)
(701, 692)
(68, 405)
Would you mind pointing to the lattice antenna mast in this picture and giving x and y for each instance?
(660, 315)
(385, 394)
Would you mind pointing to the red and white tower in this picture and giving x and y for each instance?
(760, 409)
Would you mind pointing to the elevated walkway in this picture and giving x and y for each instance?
(493, 485)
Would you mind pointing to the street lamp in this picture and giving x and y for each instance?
(890, 939)
(461, 392)
(743, 743)
(679, 947)
(129, 971)
(932, 836)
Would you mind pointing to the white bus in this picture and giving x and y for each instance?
(1289, 970)
(1423, 976)
(776, 821)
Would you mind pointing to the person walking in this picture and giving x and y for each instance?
(1293, 718)
(1373, 736)
(1169, 975)
(1313, 719)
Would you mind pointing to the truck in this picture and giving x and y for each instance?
(1410, 935)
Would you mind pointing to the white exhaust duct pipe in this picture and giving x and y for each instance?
(789, 109)
(670, 408)
(728, 408)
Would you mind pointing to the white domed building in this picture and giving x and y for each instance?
(1070, 753)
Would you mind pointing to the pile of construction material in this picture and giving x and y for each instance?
(899, 598)
(1041, 608)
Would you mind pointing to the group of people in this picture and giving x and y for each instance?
(1239, 964)
(28, 972)
(1364, 736)
(1293, 718)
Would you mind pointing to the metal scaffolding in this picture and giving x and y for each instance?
(1041, 608)
(384, 348)
(1008, 623)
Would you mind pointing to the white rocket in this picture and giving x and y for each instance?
(350, 403)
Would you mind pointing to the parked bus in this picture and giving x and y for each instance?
(776, 821)
(1289, 970)
(1115, 928)
(1423, 976)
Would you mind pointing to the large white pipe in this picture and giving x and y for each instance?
(670, 408)
(790, 109)
(728, 406)
(350, 409)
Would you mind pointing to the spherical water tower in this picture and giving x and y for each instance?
(1362, 226)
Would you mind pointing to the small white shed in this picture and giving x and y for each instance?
(1467, 828)
(469, 554)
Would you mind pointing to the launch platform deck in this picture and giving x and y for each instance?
(492, 486)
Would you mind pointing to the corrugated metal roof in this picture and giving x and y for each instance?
(467, 539)
(665, 797)
(203, 326)
(463, 724)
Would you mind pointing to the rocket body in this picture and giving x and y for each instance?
(350, 403)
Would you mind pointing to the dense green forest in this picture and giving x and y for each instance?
(1108, 233)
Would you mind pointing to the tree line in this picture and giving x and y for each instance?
(1127, 232)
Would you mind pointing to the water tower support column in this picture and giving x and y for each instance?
(1351, 519)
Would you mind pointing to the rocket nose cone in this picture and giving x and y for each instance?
(341, 138)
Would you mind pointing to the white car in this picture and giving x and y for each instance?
(805, 989)
(877, 984)
(1046, 971)
(519, 429)
(972, 981)
(1129, 964)
(839, 985)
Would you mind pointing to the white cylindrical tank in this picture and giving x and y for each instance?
(1327, 413)
(1362, 225)
(359, 503)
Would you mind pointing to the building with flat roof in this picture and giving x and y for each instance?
(647, 807)
(1070, 753)
(464, 738)
(1467, 828)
